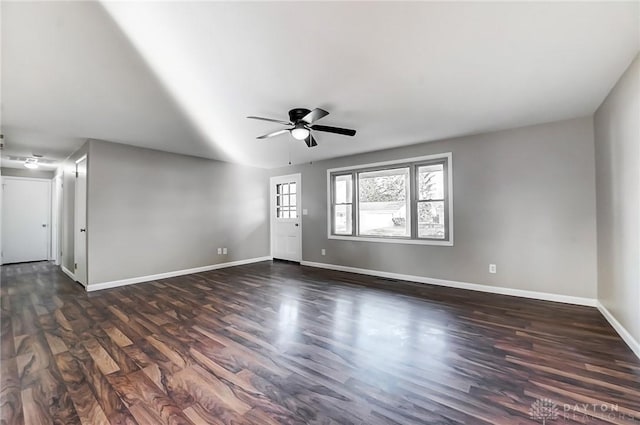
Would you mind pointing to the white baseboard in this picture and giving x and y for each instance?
(624, 334)
(567, 299)
(140, 279)
(68, 273)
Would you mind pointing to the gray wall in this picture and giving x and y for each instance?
(524, 199)
(617, 142)
(152, 212)
(24, 172)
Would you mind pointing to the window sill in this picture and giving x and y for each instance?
(392, 240)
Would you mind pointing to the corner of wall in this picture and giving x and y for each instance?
(616, 124)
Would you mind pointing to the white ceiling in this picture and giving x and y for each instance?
(182, 76)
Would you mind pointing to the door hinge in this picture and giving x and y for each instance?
(75, 265)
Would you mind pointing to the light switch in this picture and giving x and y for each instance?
(305, 211)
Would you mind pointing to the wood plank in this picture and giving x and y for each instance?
(34, 412)
(100, 356)
(89, 410)
(207, 390)
(56, 344)
(116, 335)
(10, 393)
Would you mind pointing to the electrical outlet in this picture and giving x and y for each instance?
(492, 268)
(224, 251)
(323, 251)
(219, 251)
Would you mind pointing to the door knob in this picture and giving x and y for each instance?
(83, 230)
(44, 225)
(297, 224)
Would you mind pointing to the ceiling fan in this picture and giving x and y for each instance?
(302, 121)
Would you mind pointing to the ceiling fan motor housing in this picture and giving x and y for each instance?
(297, 114)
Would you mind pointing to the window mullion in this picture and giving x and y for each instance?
(413, 205)
(431, 200)
(445, 194)
(332, 183)
(355, 205)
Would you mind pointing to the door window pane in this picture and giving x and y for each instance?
(431, 220)
(286, 200)
(286, 212)
(384, 208)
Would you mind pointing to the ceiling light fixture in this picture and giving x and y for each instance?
(31, 163)
(300, 132)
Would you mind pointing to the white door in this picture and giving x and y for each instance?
(25, 219)
(56, 219)
(286, 224)
(80, 227)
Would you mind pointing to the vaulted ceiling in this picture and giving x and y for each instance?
(182, 76)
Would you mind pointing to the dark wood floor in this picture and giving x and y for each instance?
(275, 343)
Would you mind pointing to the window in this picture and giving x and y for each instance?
(383, 202)
(343, 204)
(406, 201)
(430, 200)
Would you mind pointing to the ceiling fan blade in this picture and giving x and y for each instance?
(336, 130)
(314, 115)
(310, 141)
(270, 119)
(273, 133)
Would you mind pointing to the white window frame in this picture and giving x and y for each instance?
(394, 240)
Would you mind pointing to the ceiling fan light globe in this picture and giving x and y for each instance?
(300, 133)
(31, 164)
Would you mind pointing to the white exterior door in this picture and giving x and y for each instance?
(286, 223)
(80, 230)
(26, 207)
